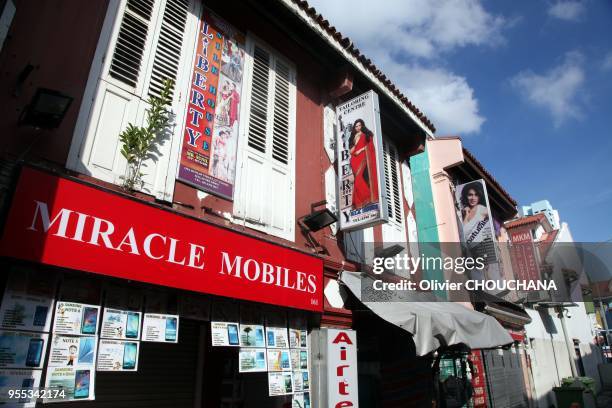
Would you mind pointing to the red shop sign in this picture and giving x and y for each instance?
(479, 396)
(60, 222)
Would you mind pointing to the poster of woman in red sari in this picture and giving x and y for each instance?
(361, 194)
(363, 164)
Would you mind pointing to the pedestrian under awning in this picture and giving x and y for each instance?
(431, 323)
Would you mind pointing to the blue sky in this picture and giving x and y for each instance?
(526, 84)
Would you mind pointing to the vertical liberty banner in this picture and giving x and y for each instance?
(210, 135)
(361, 186)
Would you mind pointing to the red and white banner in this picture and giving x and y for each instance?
(210, 138)
(479, 397)
(523, 256)
(65, 223)
(342, 387)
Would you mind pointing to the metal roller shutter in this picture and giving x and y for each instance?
(166, 377)
(505, 378)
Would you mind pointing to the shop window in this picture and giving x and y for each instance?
(265, 195)
(394, 231)
(395, 205)
(143, 42)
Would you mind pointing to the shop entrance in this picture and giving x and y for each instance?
(390, 372)
(166, 376)
(505, 378)
(224, 387)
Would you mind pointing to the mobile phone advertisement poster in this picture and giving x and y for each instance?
(160, 328)
(120, 324)
(22, 349)
(118, 355)
(76, 319)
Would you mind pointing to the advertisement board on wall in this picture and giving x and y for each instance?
(76, 319)
(523, 254)
(160, 328)
(361, 186)
(22, 349)
(252, 360)
(76, 383)
(476, 221)
(52, 216)
(15, 385)
(71, 367)
(120, 324)
(27, 303)
(342, 387)
(70, 351)
(210, 135)
(118, 355)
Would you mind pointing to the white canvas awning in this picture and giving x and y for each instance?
(427, 320)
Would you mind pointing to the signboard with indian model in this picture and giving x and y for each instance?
(476, 220)
(361, 186)
(66, 223)
(210, 135)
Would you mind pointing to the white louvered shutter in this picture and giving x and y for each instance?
(265, 195)
(392, 183)
(152, 40)
(394, 231)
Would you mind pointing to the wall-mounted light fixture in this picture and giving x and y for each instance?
(46, 110)
(319, 219)
(315, 221)
(388, 252)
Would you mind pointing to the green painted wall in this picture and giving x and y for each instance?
(427, 225)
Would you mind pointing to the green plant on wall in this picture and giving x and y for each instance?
(139, 142)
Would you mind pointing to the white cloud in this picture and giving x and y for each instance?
(568, 10)
(408, 40)
(607, 62)
(421, 28)
(446, 98)
(557, 90)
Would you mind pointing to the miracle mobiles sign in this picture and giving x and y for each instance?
(65, 223)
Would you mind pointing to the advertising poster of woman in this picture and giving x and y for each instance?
(208, 156)
(361, 199)
(476, 220)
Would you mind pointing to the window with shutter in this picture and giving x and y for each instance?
(169, 45)
(394, 231)
(392, 182)
(264, 193)
(131, 41)
(259, 100)
(148, 41)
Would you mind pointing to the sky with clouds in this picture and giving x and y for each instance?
(526, 84)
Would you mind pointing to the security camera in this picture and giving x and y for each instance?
(568, 314)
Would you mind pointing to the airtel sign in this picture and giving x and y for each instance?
(342, 390)
(57, 221)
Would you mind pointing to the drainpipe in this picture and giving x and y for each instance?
(570, 349)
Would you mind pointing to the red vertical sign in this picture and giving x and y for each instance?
(523, 255)
(208, 155)
(479, 397)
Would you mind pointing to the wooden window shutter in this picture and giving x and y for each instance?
(265, 196)
(126, 64)
(169, 45)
